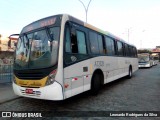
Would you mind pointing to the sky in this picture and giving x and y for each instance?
(135, 21)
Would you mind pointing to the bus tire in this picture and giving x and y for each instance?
(129, 73)
(95, 84)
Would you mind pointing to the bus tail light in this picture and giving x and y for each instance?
(51, 77)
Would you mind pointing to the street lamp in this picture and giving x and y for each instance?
(86, 9)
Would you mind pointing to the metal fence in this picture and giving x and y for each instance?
(6, 73)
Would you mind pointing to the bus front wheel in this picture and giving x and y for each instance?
(95, 84)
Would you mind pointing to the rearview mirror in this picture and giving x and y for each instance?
(13, 37)
(52, 37)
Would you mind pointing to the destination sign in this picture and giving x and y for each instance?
(40, 23)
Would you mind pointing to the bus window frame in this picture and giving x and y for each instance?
(103, 44)
(120, 55)
(76, 27)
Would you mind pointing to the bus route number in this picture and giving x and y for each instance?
(99, 63)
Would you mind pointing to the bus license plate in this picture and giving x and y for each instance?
(29, 91)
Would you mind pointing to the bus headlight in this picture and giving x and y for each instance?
(51, 77)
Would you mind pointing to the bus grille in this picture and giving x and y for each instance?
(30, 75)
(33, 74)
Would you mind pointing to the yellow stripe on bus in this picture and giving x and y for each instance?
(31, 83)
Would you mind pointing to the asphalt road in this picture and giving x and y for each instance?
(140, 93)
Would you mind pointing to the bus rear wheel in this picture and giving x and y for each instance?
(95, 84)
(129, 73)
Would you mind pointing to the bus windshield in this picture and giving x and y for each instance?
(143, 58)
(38, 49)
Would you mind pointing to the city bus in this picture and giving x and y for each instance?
(61, 56)
(155, 59)
(145, 60)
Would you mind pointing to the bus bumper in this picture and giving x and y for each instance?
(144, 65)
(50, 92)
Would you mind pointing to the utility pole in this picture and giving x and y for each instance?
(86, 9)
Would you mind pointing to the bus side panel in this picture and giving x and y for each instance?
(77, 78)
(122, 66)
(111, 68)
(135, 66)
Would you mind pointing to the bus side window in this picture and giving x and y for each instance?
(124, 53)
(100, 44)
(110, 46)
(135, 50)
(93, 42)
(120, 48)
(130, 51)
(125, 49)
(71, 45)
(74, 44)
(81, 42)
(67, 40)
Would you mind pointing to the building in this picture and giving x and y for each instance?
(5, 41)
(4, 44)
(5, 51)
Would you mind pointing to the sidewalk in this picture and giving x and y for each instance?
(6, 92)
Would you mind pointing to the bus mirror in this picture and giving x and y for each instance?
(15, 44)
(13, 37)
(52, 37)
(9, 43)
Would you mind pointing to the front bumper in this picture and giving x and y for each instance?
(144, 65)
(50, 92)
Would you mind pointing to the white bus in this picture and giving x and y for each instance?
(145, 60)
(155, 58)
(71, 57)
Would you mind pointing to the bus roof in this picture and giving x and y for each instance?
(52, 20)
(73, 19)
